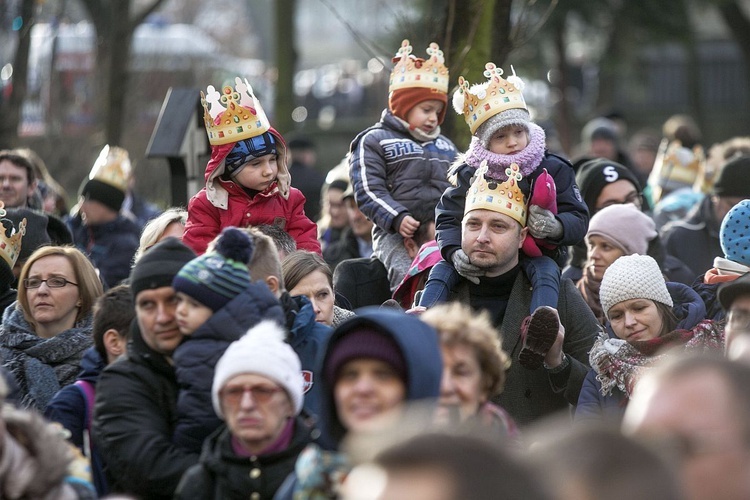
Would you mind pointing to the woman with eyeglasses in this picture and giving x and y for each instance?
(44, 334)
(258, 391)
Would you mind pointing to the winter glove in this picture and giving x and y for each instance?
(543, 224)
(465, 268)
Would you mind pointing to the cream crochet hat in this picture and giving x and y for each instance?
(633, 277)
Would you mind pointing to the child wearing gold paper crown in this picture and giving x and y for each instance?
(510, 145)
(247, 178)
(402, 161)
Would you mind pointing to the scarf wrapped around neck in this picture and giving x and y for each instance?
(527, 160)
(589, 286)
(41, 366)
(621, 364)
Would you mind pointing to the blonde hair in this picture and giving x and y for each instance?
(89, 284)
(458, 324)
(155, 228)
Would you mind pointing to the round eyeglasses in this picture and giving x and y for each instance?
(54, 282)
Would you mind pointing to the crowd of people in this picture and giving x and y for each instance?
(420, 323)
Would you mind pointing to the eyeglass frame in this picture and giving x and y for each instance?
(631, 198)
(65, 282)
(261, 394)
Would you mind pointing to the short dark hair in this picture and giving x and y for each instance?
(20, 161)
(112, 311)
(283, 240)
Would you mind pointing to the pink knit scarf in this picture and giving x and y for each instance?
(527, 160)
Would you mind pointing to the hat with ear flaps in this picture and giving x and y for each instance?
(108, 179)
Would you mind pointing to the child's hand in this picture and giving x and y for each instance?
(408, 226)
(543, 224)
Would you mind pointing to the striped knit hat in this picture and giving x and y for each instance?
(215, 278)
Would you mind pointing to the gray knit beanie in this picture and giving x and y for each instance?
(625, 226)
(633, 277)
(505, 118)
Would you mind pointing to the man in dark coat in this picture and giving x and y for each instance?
(136, 396)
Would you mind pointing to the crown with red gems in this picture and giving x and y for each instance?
(484, 100)
(240, 115)
(411, 71)
(505, 197)
(10, 246)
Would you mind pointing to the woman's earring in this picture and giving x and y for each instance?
(79, 303)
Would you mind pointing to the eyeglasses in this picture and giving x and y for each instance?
(261, 394)
(634, 198)
(54, 282)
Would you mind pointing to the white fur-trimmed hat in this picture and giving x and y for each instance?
(633, 277)
(263, 351)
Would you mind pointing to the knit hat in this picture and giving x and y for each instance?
(215, 278)
(401, 101)
(625, 226)
(247, 149)
(730, 290)
(734, 178)
(514, 116)
(262, 351)
(364, 342)
(108, 179)
(159, 265)
(594, 175)
(633, 277)
(735, 233)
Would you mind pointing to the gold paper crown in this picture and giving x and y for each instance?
(505, 198)
(676, 167)
(242, 116)
(10, 246)
(411, 72)
(112, 167)
(484, 100)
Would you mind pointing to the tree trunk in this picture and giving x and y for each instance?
(118, 38)
(563, 120)
(501, 44)
(286, 58)
(10, 109)
(739, 24)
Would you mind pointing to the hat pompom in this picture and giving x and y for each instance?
(264, 332)
(458, 101)
(235, 244)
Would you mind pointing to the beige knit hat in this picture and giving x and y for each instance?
(625, 226)
(633, 277)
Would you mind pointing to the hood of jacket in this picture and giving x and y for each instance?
(217, 189)
(92, 365)
(419, 346)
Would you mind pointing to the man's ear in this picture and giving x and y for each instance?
(522, 237)
(32, 188)
(273, 284)
(114, 343)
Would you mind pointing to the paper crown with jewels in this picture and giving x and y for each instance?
(414, 72)
(10, 237)
(112, 167)
(483, 100)
(239, 111)
(504, 197)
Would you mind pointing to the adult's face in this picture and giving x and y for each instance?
(604, 148)
(337, 209)
(738, 320)
(698, 413)
(366, 391)
(15, 189)
(619, 192)
(491, 240)
(316, 287)
(361, 225)
(53, 309)
(155, 311)
(636, 319)
(255, 409)
(601, 254)
(461, 387)
(95, 212)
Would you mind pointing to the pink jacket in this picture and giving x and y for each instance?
(224, 203)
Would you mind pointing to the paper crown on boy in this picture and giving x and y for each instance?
(233, 114)
(414, 80)
(109, 177)
(504, 197)
(498, 99)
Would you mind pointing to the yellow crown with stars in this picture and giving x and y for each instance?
(10, 246)
(481, 101)
(504, 197)
(112, 167)
(414, 72)
(240, 112)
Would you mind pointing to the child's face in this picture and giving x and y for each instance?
(258, 173)
(191, 314)
(425, 115)
(509, 140)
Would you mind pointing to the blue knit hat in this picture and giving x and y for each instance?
(735, 233)
(215, 278)
(247, 149)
